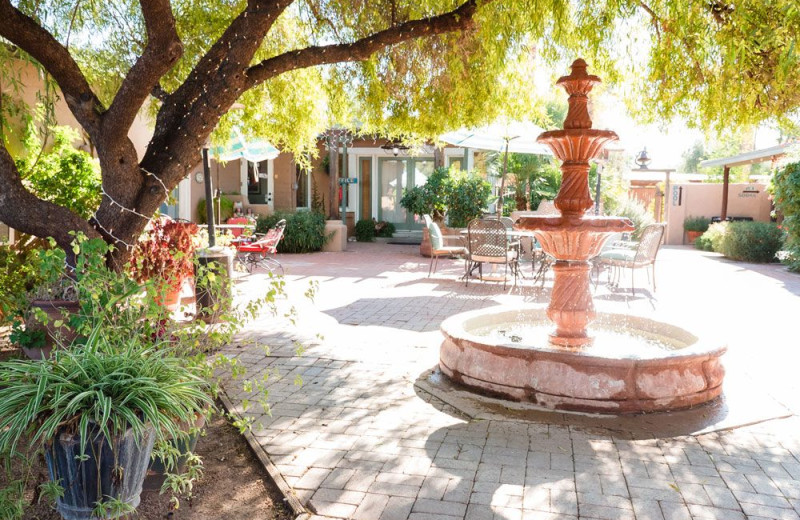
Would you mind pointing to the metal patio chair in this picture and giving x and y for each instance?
(257, 253)
(643, 255)
(487, 243)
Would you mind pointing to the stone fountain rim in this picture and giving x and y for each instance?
(453, 327)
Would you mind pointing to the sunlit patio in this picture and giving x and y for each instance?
(375, 432)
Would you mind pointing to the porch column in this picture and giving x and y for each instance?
(726, 175)
(438, 157)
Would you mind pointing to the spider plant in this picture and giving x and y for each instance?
(110, 388)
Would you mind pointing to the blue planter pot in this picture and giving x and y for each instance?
(106, 473)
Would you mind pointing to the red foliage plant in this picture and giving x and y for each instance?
(165, 252)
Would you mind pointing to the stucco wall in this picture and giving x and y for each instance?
(31, 83)
(705, 200)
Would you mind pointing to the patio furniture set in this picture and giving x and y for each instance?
(495, 242)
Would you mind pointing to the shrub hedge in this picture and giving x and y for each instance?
(786, 192)
(365, 230)
(751, 241)
(304, 233)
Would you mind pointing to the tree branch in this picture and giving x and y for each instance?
(40, 218)
(163, 49)
(362, 49)
(23, 31)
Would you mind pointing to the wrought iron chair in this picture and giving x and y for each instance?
(644, 255)
(437, 244)
(487, 242)
(256, 253)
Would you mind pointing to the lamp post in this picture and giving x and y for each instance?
(209, 197)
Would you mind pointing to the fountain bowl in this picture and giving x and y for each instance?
(590, 379)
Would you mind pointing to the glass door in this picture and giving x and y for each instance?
(393, 176)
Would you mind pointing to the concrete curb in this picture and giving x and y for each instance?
(300, 512)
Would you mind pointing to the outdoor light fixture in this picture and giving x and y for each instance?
(395, 147)
(642, 160)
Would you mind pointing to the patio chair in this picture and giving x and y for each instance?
(487, 242)
(643, 255)
(437, 244)
(256, 253)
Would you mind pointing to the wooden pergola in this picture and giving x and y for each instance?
(756, 156)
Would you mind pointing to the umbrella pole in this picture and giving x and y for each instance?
(500, 200)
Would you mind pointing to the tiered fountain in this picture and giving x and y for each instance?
(623, 364)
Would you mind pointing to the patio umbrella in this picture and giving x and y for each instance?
(515, 137)
(240, 148)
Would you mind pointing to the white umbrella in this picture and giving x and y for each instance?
(515, 137)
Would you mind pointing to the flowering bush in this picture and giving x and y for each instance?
(165, 253)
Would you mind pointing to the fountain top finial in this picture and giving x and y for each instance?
(578, 85)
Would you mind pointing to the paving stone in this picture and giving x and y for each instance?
(605, 513)
(714, 513)
(388, 488)
(425, 505)
(397, 508)
(647, 509)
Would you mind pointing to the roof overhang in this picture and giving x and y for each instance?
(756, 156)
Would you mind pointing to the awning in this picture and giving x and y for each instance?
(239, 148)
(520, 138)
(756, 156)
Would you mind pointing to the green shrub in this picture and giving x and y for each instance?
(62, 175)
(751, 241)
(468, 199)
(712, 238)
(19, 273)
(227, 210)
(636, 212)
(786, 193)
(384, 229)
(304, 233)
(696, 224)
(703, 244)
(365, 230)
(430, 198)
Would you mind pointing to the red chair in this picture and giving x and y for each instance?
(236, 232)
(256, 253)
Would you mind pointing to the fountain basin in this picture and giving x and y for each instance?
(686, 372)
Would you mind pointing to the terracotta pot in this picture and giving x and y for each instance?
(425, 245)
(54, 336)
(171, 298)
(691, 236)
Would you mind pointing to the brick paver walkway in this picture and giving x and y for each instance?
(363, 438)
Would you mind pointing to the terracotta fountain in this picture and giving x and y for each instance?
(567, 370)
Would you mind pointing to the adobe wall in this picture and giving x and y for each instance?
(705, 200)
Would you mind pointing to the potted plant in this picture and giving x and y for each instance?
(165, 256)
(695, 226)
(95, 411)
(45, 323)
(429, 199)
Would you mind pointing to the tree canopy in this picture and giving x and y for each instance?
(393, 66)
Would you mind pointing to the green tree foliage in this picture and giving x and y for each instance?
(692, 157)
(405, 68)
(786, 192)
(467, 200)
(432, 197)
(60, 173)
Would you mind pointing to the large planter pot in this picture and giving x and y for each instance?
(104, 473)
(425, 245)
(156, 473)
(63, 335)
(691, 236)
